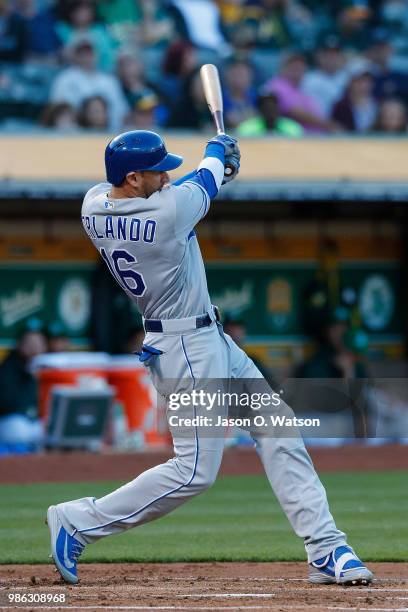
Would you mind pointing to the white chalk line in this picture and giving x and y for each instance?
(368, 609)
(263, 579)
(338, 588)
(329, 590)
(249, 579)
(226, 595)
(369, 590)
(374, 591)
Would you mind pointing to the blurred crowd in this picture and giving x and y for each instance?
(288, 67)
(20, 426)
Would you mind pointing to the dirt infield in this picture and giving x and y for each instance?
(81, 466)
(200, 586)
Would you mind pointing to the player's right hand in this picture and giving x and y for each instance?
(232, 167)
(232, 155)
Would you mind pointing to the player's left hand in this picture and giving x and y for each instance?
(229, 143)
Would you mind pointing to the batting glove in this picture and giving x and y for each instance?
(230, 144)
(232, 166)
(232, 155)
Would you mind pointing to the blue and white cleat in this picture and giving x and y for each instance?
(65, 549)
(342, 566)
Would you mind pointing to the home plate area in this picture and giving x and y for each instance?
(202, 586)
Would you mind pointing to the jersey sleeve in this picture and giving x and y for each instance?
(192, 204)
(194, 192)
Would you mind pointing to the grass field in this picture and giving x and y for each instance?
(238, 519)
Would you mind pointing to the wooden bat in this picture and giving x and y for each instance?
(212, 91)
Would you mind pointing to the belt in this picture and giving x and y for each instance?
(181, 325)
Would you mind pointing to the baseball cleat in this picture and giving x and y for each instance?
(65, 549)
(342, 566)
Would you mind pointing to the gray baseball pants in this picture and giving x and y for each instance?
(207, 353)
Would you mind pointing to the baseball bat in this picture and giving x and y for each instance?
(212, 91)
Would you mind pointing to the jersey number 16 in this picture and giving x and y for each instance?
(129, 280)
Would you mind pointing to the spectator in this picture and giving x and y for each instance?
(144, 113)
(200, 22)
(273, 25)
(326, 83)
(392, 117)
(339, 355)
(293, 102)
(353, 25)
(239, 93)
(134, 23)
(388, 83)
(135, 87)
(130, 74)
(19, 423)
(303, 25)
(394, 16)
(264, 26)
(13, 36)
(180, 62)
(192, 110)
(43, 42)
(269, 121)
(121, 18)
(82, 80)
(60, 115)
(57, 338)
(232, 11)
(93, 114)
(357, 110)
(237, 18)
(80, 23)
(156, 28)
(332, 359)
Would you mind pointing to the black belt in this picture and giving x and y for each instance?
(156, 325)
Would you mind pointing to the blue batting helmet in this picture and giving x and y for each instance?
(137, 150)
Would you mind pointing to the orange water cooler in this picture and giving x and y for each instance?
(73, 369)
(133, 388)
(139, 399)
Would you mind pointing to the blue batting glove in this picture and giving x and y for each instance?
(232, 155)
(230, 144)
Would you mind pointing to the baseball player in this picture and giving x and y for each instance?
(143, 228)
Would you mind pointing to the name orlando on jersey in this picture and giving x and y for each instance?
(120, 228)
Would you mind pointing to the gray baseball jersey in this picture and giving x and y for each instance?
(150, 247)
